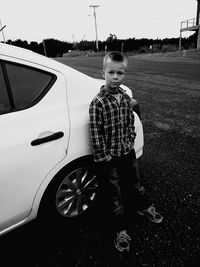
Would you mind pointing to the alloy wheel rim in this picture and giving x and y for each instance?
(76, 193)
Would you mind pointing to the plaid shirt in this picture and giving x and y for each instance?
(111, 125)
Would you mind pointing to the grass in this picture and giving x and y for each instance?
(168, 92)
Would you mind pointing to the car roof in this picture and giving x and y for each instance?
(32, 57)
(29, 56)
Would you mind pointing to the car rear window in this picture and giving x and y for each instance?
(4, 99)
(27, 84)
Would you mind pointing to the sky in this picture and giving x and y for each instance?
(73, 20)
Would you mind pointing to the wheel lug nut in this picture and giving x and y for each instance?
(78, 191)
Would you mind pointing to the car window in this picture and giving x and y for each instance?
(4, 100)
(26, 84)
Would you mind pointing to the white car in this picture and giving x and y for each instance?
(45, 150)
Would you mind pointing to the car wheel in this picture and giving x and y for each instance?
(71, 193)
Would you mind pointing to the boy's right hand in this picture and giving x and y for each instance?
(108, 158)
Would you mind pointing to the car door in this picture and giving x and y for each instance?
(34, 123)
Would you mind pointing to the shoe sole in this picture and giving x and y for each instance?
(157, 221)
(121, 249)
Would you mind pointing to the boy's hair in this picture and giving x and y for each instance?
(115, 56)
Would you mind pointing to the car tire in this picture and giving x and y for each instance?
(71, 194)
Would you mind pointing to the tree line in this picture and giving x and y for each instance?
(48, 47)
(54, 48)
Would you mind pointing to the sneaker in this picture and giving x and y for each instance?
(142, 190)
(122, 241)
(151, 214)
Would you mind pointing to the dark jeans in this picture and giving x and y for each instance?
(117, 179)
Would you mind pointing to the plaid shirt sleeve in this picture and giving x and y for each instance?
(96, 131)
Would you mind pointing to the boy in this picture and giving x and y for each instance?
(112, 138)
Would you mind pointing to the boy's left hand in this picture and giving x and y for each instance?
(108, 158)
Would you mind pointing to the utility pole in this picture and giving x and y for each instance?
(95, 23)
(198, 12)
(45, 49)
(197, 23)
(73, 38)
(122, 47)
(1, 29)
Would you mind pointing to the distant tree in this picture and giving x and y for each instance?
(111, 38)
(113, 43)
(169, 48)
(9, 41)
(156, 48)
(129, 45)
(35, 47)
(20, 43)
(56, 48)
(84, 45)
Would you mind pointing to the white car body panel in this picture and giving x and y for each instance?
(25, 170)
(23, 167)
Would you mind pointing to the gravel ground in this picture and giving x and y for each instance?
(169, 99)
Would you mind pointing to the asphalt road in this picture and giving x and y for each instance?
(175, 242)
(181, 67)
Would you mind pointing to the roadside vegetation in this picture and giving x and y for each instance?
(54, 48)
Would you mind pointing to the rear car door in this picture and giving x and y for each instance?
(34, 123)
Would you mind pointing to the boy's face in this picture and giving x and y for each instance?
(114, 73)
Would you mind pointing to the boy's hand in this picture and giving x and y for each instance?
(108, 158)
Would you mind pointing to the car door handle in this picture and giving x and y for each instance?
(46, 139)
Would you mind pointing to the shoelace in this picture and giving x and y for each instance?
(123, 236)
(152, 210)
